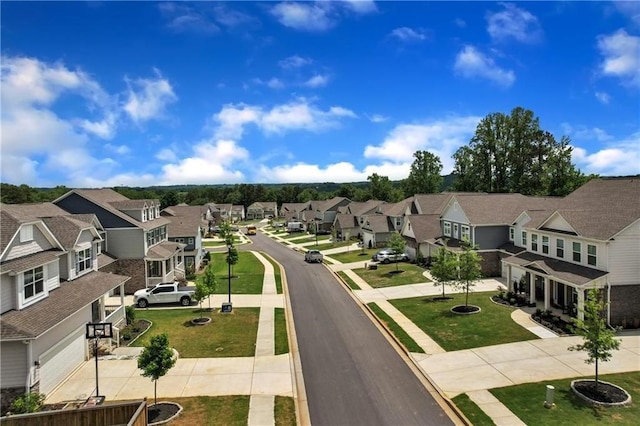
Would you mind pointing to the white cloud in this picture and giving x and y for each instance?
(294, 61)
(148, 98)
(275, 83)
(182, 18)
(603, 97)
(104, 129)
(513, 23)
(408, 35)
(166, 154)
(618, 158)
(316, 81)
(441, 137)
(118, 149)
(460, 22)
(586, 133)
(377, 118)
(304, 172)
(629, 8)
(299, 114)
(361, 6)
(311, 17)
(621, 53)
(472, 63)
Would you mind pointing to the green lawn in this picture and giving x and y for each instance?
(281, 338)
(212, 411)
(288, 236)
(331, 245)
(246, 276)
(285, 411)
(526, 401)
(276, 272)
(408, 343)
(356, 255)
(386, 275)
(348, 280)
(227, 335)
(476, 416)
(492, 326)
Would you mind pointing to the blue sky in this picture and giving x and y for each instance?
(143, 93)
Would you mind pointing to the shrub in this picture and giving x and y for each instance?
(29, 403)
(538, 312)
(125, 334)
(130, 313)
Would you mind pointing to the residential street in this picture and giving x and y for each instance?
(352, 374)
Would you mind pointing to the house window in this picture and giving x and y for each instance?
(83, 260)
(447, 229)
(157, 211)
(465, 233)
(167, 265)
(577, 252)
(512, 234)
(455, 230)
(179, 240)
(560, 248)
(524, 238)
(33, 283)
(534, 242)
(545, 244)
(190, 241)
(591, 255)
(398, 221)
(154, 269)
(26, 233)
(144, 215)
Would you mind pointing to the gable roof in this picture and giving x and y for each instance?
(344, 220)
(431, 203)
(394, 209)
(378, 223)
(360, 208)
(424, 226)
(500, 209)
(184, 221)
(66, 229)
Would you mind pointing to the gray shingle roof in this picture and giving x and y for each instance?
(62, 302)
(66, 229)
(431, 203)
(163, 250)
(9, 225)
(424, 226)
(564, 271)
(31, 261)
(378, 223)
(184, 221)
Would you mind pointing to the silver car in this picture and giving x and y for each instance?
(386, 255)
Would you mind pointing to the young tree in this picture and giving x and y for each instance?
(200, 294)
(156, 360)
(209, 281)
(397, 244)
(599, 340)
(232, 258)
(444, 268)
(469, 270)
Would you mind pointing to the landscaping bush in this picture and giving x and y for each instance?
(130, 313)
(30, 403)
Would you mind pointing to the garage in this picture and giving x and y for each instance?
(58, 362)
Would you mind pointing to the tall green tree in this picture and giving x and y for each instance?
(599, 339)
(444, 268)
(425, 176)
(169, 198)
(397, 244)
(155, 360)
(381, 188)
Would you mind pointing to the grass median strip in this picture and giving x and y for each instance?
(227, 335)
(281, 337)
(409, 344)
(492, 326)
(212, 411)
(348, 280)
(476, 416)
(285, 411)
(276, 272)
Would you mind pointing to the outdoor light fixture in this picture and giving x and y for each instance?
(97, 331)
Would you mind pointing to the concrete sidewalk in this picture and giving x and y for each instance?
(262, 376)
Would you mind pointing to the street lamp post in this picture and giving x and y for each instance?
(229, 266)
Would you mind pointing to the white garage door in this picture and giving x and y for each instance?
(57, 363)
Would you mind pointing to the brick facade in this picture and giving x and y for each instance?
(491, 265)
(134, 268)
(624, 305)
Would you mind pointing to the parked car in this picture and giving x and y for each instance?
(164, 293)
(386, 255)
(313, 256)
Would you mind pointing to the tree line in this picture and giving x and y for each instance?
(507, 153)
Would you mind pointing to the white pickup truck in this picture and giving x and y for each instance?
(164, 293)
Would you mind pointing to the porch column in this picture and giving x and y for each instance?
(122, 294)
(509, 278)
(547, 293)
(580, 303)
(532, 288)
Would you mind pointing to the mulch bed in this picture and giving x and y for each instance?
(606, 393)
(162, 411)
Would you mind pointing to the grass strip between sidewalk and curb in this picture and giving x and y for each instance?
(409, 344)
(456, 332)
(276, 271)
(471, 411)
(285, 411)
(212, 411)
(348, 280)
(281, 343)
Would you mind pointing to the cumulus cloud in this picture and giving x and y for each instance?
(514, 23)
(616, 158)
(166, 154)
(294, 61)
(471, 63)
(441, 137)
(361, 6)
(316, 81)
(377, 118)
(147, 98)
(408, 35)
(299, 114)
(621, 57)
(310, 17)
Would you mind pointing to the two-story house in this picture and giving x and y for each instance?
(591, 240)
(262, 210)
(388, 218)
(323, 212)
(350, 218)
(186, 224)
(135, 235)
(423, 224)
(50, 287)
(293, 212)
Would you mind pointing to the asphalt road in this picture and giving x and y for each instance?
(352, 374)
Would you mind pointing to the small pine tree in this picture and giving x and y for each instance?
(599, 339)
(156, 360)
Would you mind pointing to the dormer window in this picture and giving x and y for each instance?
(447, 228)
(144, 215)
(151, 211)
(33, 283)
(83, 260)
(157, 211)
(26, 233)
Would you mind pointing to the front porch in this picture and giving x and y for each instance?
(165, 263)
